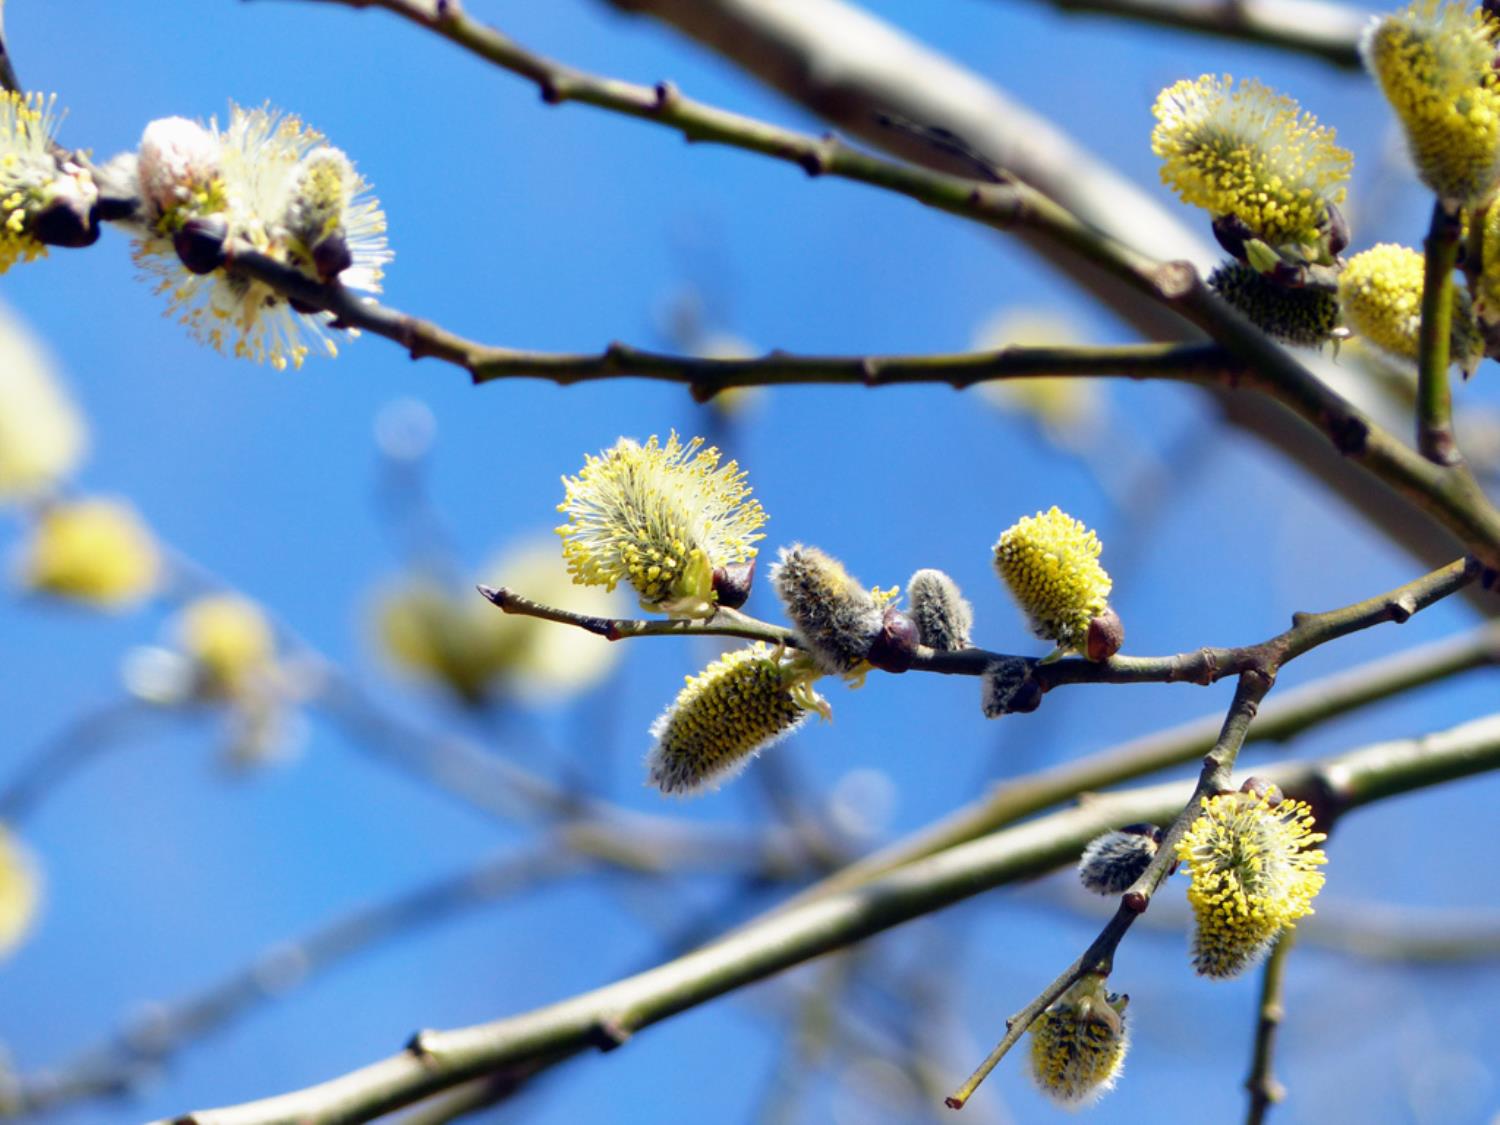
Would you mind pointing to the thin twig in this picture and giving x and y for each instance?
(1262, 1086)
(606, 1017)
(1435, 438)
(8, 79)
(1200, 666)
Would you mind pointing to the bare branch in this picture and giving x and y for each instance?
(1262, 1086)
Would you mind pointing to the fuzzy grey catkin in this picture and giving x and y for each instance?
(836, 618)
(945, 620)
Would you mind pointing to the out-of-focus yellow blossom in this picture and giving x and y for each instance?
(662, 518)
(454, 637)
(42, 435)
(1250, 152)
(1069, 410)
(1380, 291)
(20, 891)
(1434, 63)
(94, 550)
(1050, 562)
(230, 643)
(1254, 871)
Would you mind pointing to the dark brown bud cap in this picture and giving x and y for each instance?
(1231, 231)
(62, 223)
(895, 646)
(732, 583)
(1106, 635)
(1260, 787)
(332, 257)
(200, 243)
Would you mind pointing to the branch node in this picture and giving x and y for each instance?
(1401, 609)
(1135, 901)
(817, 159)
(667, 96)
(869, 371)
(609, 1032)
(1350, 434)
(1175, 280)
(550, 90)
(420, 1045)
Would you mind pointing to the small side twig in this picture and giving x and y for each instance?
(1262, 1085)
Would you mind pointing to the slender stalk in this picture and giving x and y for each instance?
(1265, 1091)
(606, 1017)
(8, 79)
(1435, 438)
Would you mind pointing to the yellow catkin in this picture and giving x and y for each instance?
(96, 551)
(1254, 872)
(1433, 63)
(732, 710)
(229, 641)
(1050, 562)
(1078, 1045)
(1250, 152)
(1380, 292)
(660, 517)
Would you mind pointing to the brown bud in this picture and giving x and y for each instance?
(895, 646)
(1338, 230)
(63, 222)
(1106, 635)
(332, 257)
(1231, 232)
(732, 583)
(1260, 787)
(200, 243)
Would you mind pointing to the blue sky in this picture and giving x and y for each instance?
(565, 229)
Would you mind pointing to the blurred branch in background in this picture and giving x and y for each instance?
(1307, 27)
(436, 1061)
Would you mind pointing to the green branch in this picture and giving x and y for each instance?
(1435, 437)
(440, 1060)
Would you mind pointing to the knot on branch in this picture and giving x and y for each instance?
(1175, 280)
(1350, 435)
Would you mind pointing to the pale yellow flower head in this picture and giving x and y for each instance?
(1433, 62)
(1254, 872)
(1050, 562)
(20, 891)
(1380, 291)
(230, 642)
(31, 176)
(662, 518)
(270, 181)
(1078, 1045)
(740, 704)
(95, 551)
(1250, 152)
(42, 434)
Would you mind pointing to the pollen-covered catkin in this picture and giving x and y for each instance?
(736, 707)
(1050, 562)
(662, 518)
(1254, 871)
(1078, 1045)
(1433, 62)
(1380, 291)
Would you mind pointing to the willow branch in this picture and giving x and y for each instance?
(1200, 666)
(8, 79)
(1325, 31)
(1286, 715)
(1262, 1086)
(1435, 438)
(604, 1018)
